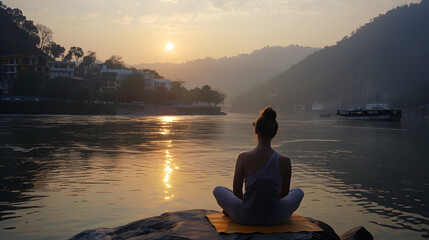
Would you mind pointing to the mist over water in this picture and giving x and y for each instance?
(64, 174)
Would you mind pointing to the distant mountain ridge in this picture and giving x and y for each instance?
(389, 55)
(233, 75)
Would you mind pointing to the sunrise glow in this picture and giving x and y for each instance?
(169, 47)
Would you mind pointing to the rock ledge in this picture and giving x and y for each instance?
(193, 224)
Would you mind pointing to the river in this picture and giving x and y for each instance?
(61, 175)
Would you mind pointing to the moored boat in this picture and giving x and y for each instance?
(374, 111)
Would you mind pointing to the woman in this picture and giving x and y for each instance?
(267, 199)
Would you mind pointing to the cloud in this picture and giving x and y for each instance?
(301, 6)
(41, 12)
(180, 17)
(225, 7)
(92, 15)
(148, 18)
(170, 1)
(206, 16)
(221, 4)
(123, 20)
(71, 17)
(173, 28)
(170, 27)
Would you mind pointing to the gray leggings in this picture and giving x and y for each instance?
(232, 205)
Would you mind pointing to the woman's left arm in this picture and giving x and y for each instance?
(285, 174)
(238, 178)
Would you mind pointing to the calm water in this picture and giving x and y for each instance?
(64, 174)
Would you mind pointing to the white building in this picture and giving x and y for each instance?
(115, 77)
(152, 84)
(317, 106)
(61, 69)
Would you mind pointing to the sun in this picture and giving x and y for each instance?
(169, 47)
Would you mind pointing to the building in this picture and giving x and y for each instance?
(61, 69)
(12, 65)
(152, 84)
(317, 106)
(109, 82)
(113, 78)
(5, 87)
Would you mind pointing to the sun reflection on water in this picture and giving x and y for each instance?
(169, 167)
(165, 120)
(168, 119)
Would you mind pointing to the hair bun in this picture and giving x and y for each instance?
(269, 113)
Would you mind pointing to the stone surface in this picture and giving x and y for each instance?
(191, 224)
(358, 233)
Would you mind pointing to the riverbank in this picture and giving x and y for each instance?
(86, 108)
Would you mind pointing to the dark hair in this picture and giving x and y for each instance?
(266, 125)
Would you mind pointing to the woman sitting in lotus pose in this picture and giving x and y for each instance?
(267, 199)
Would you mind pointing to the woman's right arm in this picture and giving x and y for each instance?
(238, 178)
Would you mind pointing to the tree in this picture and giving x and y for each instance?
(209, 95)
(28, 84)
(155, 74)
(67, 88)
(115, 62)
(218, 97)
(206, 93)
(77, 52)
(195, 94)
(45, 36)
(21, 21)
(18, 35)
(55, 50)
(68, 56)
(132, 89)
(159, 96)
(89, 59)
(179, 92)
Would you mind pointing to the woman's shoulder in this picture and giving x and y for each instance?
(284, 159)
(245, 155)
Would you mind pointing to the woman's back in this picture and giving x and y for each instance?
(262, 188)
(253, 161)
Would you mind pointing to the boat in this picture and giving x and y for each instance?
(373, 111)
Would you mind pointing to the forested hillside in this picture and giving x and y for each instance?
(388, 55)
(18, 35)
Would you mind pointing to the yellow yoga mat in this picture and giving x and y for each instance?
(296, 223)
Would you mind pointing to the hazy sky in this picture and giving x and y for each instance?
(139, 30)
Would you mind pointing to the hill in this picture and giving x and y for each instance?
(389, 55)
(18, 35)
(233, 75)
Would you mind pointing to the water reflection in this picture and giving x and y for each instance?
(169, 165)
(109, 170)
(169, 168)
